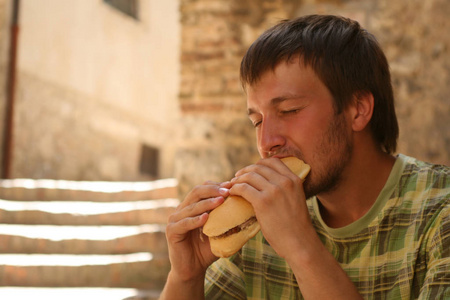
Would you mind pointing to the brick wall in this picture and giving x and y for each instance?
(414, 36)
(217, 137)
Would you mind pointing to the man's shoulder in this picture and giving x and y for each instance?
(424, 186)
(424, 175)
(418, 164)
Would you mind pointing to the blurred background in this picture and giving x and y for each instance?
(111, 110)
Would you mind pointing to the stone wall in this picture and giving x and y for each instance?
(218, 139)
(93, 87)
(70, 135)
(415, 37)
(5, 11)
(79, 129)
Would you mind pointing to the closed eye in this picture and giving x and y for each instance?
(255, 118)
(256, 123)
(292, 111)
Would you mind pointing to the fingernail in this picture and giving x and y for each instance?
(223, 191)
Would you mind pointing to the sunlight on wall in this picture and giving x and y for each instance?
(59, 233)
(93, 186)
(86, 207)
(71, 260)
(67, 293)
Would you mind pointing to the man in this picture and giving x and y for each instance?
(375, 226)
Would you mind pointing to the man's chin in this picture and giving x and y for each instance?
(312, 190)
(309, 192)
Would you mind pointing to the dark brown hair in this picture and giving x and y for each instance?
(346, 57)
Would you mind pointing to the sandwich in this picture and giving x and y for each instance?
(233, 223)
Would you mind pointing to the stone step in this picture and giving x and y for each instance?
(136, 217)
(152, 242)
(66, 234)
(150, 274)
(27, 293)
(47, 239)
(66, 260)
(86, 212)
(46, 189)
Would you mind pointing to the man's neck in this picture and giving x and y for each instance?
(362, 182)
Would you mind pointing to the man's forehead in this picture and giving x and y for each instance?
(276, 101)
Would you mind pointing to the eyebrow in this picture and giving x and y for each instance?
(275, 101)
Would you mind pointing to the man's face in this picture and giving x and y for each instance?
(293, 113)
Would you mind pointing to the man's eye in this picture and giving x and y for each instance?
(291, 111)
(256, 124)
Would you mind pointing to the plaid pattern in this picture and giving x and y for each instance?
(399, 250)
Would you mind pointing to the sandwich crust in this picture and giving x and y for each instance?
(227, 246)
(297, 166)
(234, 211)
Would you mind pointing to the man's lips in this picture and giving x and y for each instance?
(276, 153)
(281, 156)
(282, 153)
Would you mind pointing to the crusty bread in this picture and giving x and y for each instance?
(227, 246)
(234, 212)
(297, 166)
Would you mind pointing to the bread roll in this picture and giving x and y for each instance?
(233, 223)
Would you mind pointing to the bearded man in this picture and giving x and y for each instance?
(365, 223)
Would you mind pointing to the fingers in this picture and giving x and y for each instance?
(257, 179)
(196, 209)
(267, 178)
(262, 174)
(266, 167)
(193, 212)
(202, 192)
(190, 218)
(185, 225)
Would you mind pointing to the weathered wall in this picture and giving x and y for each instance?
(215, 35)
(5, 12)
(93, 86)
(83, 110)
(415, 37)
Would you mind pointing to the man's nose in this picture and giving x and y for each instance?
(270, 138)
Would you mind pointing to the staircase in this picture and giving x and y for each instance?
(84, 240)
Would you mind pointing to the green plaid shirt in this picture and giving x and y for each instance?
(399, 250)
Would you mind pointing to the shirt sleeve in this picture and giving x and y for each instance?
(437, 280)
(224, 280)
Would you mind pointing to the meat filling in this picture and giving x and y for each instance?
(237, 229)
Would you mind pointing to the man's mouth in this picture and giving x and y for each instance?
(282, 153)
(277, 154)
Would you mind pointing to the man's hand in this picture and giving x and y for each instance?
(279, 201)
(189, 250)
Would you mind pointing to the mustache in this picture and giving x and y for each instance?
(283, 152)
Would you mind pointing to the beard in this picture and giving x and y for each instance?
(332, 155)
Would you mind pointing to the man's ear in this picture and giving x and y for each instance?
(362, 110)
